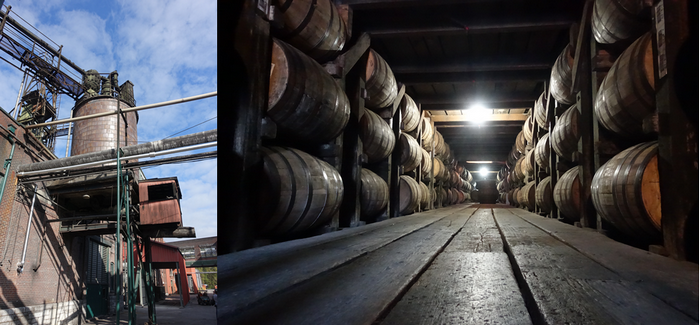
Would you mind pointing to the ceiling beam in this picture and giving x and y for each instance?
(493, 104)
(504, 25)
(491, 99)
(466, 65)
(432, 77)
(489, 117)
(376, 4)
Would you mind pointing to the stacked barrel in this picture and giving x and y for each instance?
(625, 189)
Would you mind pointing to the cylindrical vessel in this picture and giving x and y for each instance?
(410, 152)
(625, 191)
(438, 169)
(543, 195)
(565, 133)
(381, 84)
(618, 20)
(511, 200)
(304, 100)
(520, 142)
(425, 195)
(566, 195)
(427, 134)
(516, 197)
(439, 143)
(540, 112)
(377, 137)
(528, 163)
(426, 163)
(519, 171)
(627, 96)
(410, 115)
(312, 26)
(527, 129)
(375, 194)
(527, 193)
(560, 81)
(542, 151)
(100, 133)
(297, 191)
(409, 194)
(441, 196)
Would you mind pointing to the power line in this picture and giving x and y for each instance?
(190, 128)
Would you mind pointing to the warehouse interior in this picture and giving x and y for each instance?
(471, 161)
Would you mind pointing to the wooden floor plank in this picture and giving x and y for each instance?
(250, 275)
(674, 282)
(471, 282)
(357, 292)
(566, 285)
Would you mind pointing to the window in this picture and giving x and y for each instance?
(207, 250)
(162, 192)
(187, 252)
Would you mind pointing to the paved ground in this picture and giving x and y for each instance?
(168, 312)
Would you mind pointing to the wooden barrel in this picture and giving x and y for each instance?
(510, 196)
(528, 163)
(540, 112)
(625, 191)
(527, 196)
(425, 195)
(304, 100)
(427, 134)
(627, 96)
(468, 176)
(314, 27)
(519, 170)
(377, 137)
(619, 20)
(561, 79)
(565, 133)
(439, 144)
(441, 196)
(381, 84)
(297, 191)
(516, 197)
(438, 169)
(433, 195)
(527, 129)
(543, 195)
(375, 194)
(410, 152)
(445, 196)
(426, 163)
(566, 195)
(542, 151)
(520, 142)
(409, 194)
(410, 115)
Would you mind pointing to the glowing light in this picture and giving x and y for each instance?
(478, 113)
(483, 171)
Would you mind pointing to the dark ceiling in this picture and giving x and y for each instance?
(452, 53)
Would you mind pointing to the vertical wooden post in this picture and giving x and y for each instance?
(241, 141)
(678, 155)
(584, 98)
(395, 159)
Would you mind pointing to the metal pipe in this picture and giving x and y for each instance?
(144, 148)
(132, 109)
(102, 162)
(19, 94)
(40, 41)
(20, 265)
(70, 126)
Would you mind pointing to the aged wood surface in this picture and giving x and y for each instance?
(568, 286)
(674, 282)
(358, 292)
(470, 282)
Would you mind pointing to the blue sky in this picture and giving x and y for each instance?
(167, 49)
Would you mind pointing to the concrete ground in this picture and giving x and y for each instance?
(167, 312)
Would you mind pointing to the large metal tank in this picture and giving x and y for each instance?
(100, 133)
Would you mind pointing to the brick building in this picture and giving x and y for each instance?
(49, 284)
(198, 253)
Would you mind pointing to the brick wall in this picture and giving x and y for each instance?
(51, 274)
(64, 313)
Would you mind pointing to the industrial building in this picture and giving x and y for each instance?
(460, 162)
(82, 236)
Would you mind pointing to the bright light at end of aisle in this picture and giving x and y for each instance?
(483, 171)
(477, 113)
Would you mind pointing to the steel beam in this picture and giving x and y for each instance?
(501, 74)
